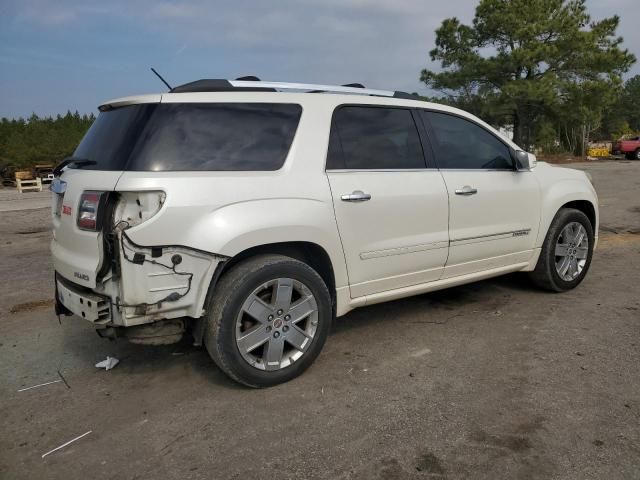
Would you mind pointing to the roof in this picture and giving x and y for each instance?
(253, 84)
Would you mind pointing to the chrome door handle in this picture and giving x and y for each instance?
(356, 196)
(466, 190)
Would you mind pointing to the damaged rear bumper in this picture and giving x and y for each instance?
(145, 285)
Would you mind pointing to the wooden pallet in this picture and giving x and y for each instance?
(24, 175)
(29, 185)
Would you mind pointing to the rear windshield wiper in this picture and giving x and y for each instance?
(76, 162)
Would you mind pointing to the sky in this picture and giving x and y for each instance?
(59, 55)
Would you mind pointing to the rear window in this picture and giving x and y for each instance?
(192, 136)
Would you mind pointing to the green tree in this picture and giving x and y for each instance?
(630, 103)
(623, 115)
(36, 140)
(523, 62)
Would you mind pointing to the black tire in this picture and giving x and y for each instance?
(225, 302)
(636, 154)
(545, 274)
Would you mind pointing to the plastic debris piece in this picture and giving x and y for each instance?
(67, 443)
(108, 363)
(39, 385)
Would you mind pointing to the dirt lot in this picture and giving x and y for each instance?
(490, 380)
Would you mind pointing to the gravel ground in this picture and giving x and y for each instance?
(490, 380)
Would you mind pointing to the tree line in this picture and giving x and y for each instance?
(41, 140)
(542, 67)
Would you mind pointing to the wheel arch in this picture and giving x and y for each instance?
(586, 207)
(308, 252)
(569, 193)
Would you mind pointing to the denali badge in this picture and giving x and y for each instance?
(81, 276)
(521, 233)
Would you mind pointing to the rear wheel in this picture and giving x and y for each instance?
(268, 319)
(636, 154)
(566, 252)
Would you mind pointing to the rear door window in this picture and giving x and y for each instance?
(374, 138)
(216, 137)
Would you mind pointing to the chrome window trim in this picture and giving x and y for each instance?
(478, 170)
(348, 170)
(387, 170)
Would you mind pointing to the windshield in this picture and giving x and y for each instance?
(191, 136)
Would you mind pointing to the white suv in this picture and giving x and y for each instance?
(251, 214)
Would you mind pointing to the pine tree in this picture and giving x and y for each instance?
(525, 62)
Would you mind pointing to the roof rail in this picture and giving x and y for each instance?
(248, 84)
(311, 87)
(220, 85)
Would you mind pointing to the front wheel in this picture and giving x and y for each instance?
(267, 320)
(566, 252)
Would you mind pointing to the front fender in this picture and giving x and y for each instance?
(558, 194)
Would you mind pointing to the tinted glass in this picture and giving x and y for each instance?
(112, 136)
(463, 144)
(216, 136)
(374, 138)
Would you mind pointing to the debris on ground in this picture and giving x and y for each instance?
(64, 380)
(30, 306)
(39, 385)
(67, 443)
(108, 363)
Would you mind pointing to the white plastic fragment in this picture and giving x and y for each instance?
(67, 443)
(39, 385)
(108, 363)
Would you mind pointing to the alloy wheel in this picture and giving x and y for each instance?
(276, 324)
(572, 248)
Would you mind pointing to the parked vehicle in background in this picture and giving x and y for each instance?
(44, 172)
(254, 213)
(630, 147)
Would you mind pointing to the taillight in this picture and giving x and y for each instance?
(89, 210)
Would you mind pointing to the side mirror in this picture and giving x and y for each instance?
(524, 160)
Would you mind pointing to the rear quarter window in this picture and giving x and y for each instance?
(113, 136)
(216, 137)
